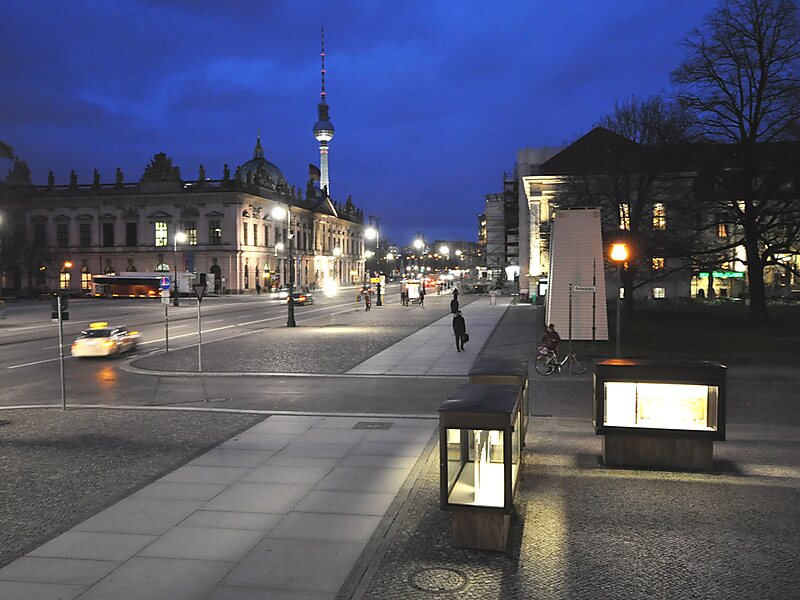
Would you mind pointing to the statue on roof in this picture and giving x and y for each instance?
(349, 206)
(73, 179)
(96, 178)
(118, 178)
(226, 172)
(19, 173)
(201, 174)
(51, 180)
(161, 169)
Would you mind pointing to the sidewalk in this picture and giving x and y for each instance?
(283, 510)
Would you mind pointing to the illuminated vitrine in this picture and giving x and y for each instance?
(659, 413)
(480, 429)
(503, 370)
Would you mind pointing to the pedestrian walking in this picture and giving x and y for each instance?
(367, 301)
(403, 297)
(258, 288)
(454, 305)
(422, 295)
(460, 330)
(455, 293)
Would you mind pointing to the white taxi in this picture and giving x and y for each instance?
(102, 340)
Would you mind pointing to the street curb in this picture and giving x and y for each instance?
(244, 411)
(139, 371)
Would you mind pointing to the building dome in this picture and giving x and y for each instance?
(260, 169)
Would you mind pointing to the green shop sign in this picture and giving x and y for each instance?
(723, 274)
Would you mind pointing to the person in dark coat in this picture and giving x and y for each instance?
(422, 295)
(455, 293)
(454, 305)
(459, 329)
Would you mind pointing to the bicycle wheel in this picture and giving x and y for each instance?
(545, 365)
(578, 364)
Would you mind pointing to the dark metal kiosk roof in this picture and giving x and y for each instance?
(483, 398)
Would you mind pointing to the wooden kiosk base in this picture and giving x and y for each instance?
(658, 452)
(484, 531)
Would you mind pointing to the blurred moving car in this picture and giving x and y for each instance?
(282, 293)
(102, 340)
(302, 298)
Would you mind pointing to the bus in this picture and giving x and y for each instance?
(128, 285)
(144, 285)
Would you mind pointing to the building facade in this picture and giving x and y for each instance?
(58, 236)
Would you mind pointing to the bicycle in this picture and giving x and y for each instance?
(547, 362)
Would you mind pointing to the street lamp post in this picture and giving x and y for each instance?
(179, 238)
(619, 254)
(279, 213)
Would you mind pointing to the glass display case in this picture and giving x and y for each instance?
(659, 413)
(480, 429)
(489, 369)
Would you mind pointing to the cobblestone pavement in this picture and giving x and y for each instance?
(331, 344)
(583, 531)
(58, 468)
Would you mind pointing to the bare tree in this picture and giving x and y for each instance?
(740, 86)
(629, 173)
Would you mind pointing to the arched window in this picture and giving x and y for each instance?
(162, 266)
(246, 276)
(64, 278)
(86, 279)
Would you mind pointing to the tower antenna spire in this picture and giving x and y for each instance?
(322, 56)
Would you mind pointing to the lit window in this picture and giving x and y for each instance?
(214, 233)
(624, 216)
(161, 267)
(722, 230)
(244, 234)
(86, 279)
(190, 229)
(64, 279)
(658, 263)
(659, 293)
(161, 233)
(659, 216)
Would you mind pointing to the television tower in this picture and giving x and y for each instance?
(323, 129)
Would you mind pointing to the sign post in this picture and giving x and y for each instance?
(60, 310)
(165, 285)
(199, 291)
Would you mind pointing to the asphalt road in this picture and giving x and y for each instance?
(29, 357)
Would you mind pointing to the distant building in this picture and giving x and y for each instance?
(102, 228)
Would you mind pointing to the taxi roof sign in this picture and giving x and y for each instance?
(98, 325)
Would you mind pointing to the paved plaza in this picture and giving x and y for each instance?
(321, 505)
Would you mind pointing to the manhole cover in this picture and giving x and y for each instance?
(372, 425)
(438, 580)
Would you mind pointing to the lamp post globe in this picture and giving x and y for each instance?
(619, 254)
(180, 238)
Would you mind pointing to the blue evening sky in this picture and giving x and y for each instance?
(430, 99)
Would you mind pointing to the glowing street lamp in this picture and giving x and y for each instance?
(180, 238)
(619, 254)
(418, 243)
(279, 213)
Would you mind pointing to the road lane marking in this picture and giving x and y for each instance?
(38, 362)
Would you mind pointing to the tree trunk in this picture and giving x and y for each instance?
(755, 281)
